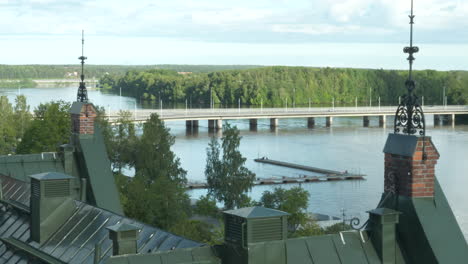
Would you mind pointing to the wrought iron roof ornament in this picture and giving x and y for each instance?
(409, 117)
(82, 92)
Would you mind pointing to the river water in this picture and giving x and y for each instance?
(347, 145)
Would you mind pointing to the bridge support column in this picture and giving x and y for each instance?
(195, 124)
(329, 121)
(219, 124)
(310, 122)
(365, 121)
(383, 121)
(448, 119)
(211, 124)
(188, 124)
(215, 124)
(452, 119)
(273, 122)
(253, 124)
(436, 120)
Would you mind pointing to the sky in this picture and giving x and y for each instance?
(335, 33)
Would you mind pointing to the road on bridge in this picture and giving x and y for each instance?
(140, 115)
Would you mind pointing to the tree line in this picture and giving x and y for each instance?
(280, 86)
(98, 71)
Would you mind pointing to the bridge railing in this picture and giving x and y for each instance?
(259, 112)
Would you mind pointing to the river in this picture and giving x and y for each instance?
(347, 145)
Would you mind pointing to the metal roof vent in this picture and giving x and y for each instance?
(382, 223)
(254, 224)
(51, 203)
(124, 238)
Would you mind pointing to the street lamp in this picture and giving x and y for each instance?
(135, 111)
(294, 97)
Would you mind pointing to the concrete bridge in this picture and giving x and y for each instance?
(215, 116)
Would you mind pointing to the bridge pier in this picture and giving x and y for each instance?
(436, 120)
(451, 119)
(448, 119)
(383, 121)
(365, 121)
(191, 126)
(215, 124)
(310, 122)
(328, 121)
(253, 124)
(273, 122)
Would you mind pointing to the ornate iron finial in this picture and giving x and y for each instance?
(82, 92)
(409, 117)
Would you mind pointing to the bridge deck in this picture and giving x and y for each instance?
(141, 115)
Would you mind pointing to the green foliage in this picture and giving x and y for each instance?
(19, 83)
(49, 128)
(206, 205)
(122, 141)
(336, 228)
(309, 228)
(227, 177)
(274, 86)
(293, 201)
(25, 72)
(7, 130)
(195, 230)
(156, 195)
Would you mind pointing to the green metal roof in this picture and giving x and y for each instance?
(350, 247)
(22, 166)
(74, 241)
(200, 255)
(51, 176)
(255, 212)
(427, 229)
(98, 170)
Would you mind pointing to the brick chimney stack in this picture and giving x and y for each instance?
(410, 165)
(83, 116)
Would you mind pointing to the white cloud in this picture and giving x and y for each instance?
(344, 10)
(321, 29)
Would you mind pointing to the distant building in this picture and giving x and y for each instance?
(184, 73)
(71, 74)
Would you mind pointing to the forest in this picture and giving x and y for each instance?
(292, 86)
(97, 71)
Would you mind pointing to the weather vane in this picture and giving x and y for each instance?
(82, 92)
(409, 117)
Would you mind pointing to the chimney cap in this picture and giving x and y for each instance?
(384, 211)
(256, 212)
(76, 107)
(51, 176)
(122, 227)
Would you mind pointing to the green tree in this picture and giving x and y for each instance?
(122, 141)
(49, 128)
(206, 205)
(156, 195)
(228, 179)
(22, 116)
(7, 129)
(293, 201)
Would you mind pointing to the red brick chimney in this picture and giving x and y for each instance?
(83, 116)
(409, 165)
